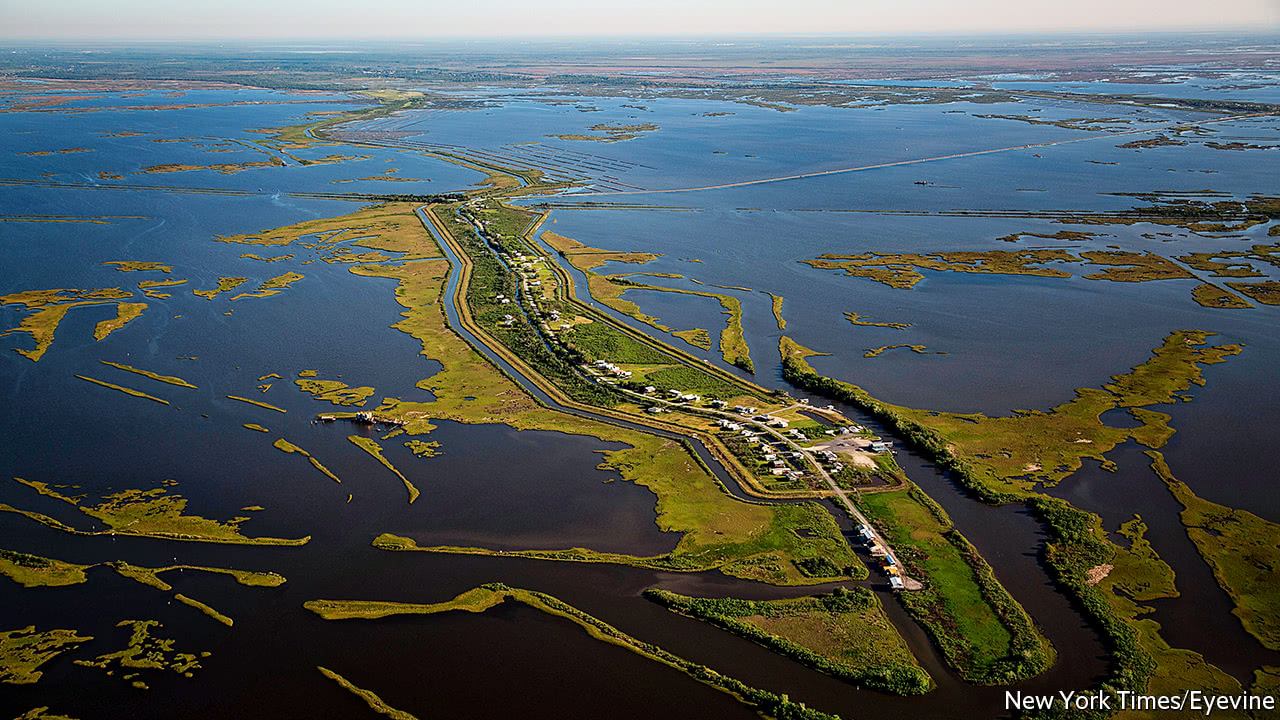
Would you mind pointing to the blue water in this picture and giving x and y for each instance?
(1009, 341)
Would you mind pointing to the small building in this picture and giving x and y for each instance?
(675, 393)
(649, 388)
(719, 404)
(895, 583)
(778, 423)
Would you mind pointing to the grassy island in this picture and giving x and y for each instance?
(372, 447)
(23, 651)
(845, 634)
(1001, 459)
(49, 307)
(371, 698)
(288, 447)
(488, 596)
(154, 514)
(1241, 549)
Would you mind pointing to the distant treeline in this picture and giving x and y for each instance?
(437, 198)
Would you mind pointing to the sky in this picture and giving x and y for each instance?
(405, 19)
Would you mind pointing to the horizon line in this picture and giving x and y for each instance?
(1198, 29)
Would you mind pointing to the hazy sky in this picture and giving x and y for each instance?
(167, 19)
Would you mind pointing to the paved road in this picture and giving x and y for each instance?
(854, 512)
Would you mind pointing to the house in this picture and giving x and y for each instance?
(778, 471)
(778, 423)
(770, 457)
(649, 389)
(675, 393)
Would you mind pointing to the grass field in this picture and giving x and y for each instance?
(983, 633)
(845, 634)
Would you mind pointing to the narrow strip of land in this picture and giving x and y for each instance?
(914, 161)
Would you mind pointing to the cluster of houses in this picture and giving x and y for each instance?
(830, 460)
(888, 563)
(772, 456)
(608, 368)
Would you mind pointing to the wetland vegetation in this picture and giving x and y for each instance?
(845, 634)
(372, 447)
(150, 513)
(371, 698)
(982, 632)
(1241, 549)
(488, 596)
(50, 307)
(288, 447)
(999, 459)
(24, 650)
